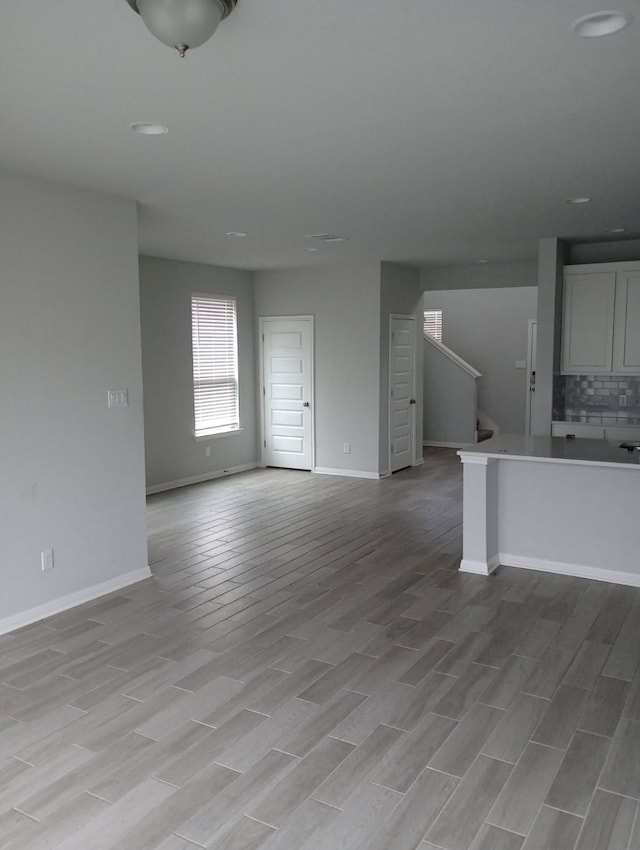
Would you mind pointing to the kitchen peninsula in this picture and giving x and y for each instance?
(552, 504)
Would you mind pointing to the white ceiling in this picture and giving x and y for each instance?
(427, 131)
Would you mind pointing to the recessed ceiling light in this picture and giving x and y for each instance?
(236, 234)
(584, 200)
(311, 250)
(146, 128)
(617, 230)
(600, 23)
(482, 262)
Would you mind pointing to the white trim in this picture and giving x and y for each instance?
(482, 568)
(437, 444)
(204, 437)
(63, 603)
(350, 473)
(198, 479)
(473, 456)
(455, 358)
(419, 462)
(477, 459)
(312, 390)
(577, 570)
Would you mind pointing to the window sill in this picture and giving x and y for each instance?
(217, 435)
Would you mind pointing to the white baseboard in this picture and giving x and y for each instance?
(198, 479)
(348, 473)
(576, 570)
(439, 445)
(482, 568)
(63, 603)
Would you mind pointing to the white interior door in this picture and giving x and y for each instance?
(287, 392)
(532, 344)
(402, 403)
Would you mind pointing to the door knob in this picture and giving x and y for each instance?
(305, 404)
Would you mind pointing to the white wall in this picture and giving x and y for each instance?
(615, 251)
(450, 400)
(399, 293)
(172, 453)
(72, 470)
(345, 301)
(480, 275)
(488, 328)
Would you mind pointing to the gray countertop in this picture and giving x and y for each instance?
(552, 450)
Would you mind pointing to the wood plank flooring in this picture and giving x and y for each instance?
(307, 670)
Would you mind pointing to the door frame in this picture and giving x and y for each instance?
(414, 459)
(261, 387)
(528, 387)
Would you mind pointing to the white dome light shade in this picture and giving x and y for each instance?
(182, 24)
(600, 23)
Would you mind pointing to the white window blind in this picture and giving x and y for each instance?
(215, 364)
(433, 323)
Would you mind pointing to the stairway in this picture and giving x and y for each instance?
(483, 433)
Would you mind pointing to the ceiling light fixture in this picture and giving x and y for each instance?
(236, 234)
(183, 24)
(617, 230)
(146, 128)
(577, 201)
(600, 23)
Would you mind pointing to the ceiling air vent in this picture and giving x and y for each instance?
(327, 237)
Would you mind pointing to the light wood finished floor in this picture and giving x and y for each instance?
(308, 671)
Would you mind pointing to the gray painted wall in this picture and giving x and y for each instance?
(72, 469)
(488, 328)
(450, 396)
(172, 453)
(617, 251)
(479, 276)
(345, 301)
(399, 293)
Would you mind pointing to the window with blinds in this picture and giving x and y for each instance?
(215, 364)
(433, 323)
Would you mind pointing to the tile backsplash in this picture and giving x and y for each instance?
(597, 399)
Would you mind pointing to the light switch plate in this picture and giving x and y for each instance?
(118, 398)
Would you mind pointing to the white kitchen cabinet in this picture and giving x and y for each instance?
(626, 328)
(587, 326)
(611, 433)
(621, 433)
(577, 429)
(601, 319)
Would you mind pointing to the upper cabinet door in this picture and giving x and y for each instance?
(587, 333)
(626, 345)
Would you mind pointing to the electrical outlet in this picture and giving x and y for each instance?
(46, 559)
(207, 451)
(622, 400)
(118, 398)
(347, 448)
